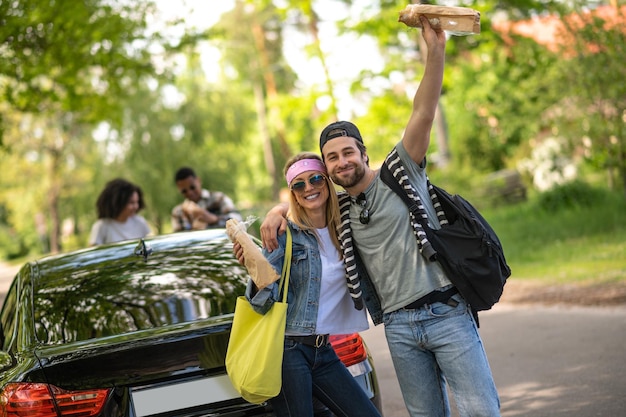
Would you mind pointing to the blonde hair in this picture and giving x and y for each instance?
(299, 216)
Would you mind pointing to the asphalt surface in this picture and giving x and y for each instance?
(547, 361)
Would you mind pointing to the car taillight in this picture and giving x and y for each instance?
(349, 348)
(35, 399)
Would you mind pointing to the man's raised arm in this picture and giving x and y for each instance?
(417, 133)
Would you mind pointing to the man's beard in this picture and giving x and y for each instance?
(352, 180)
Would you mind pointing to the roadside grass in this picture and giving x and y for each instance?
(570, 243)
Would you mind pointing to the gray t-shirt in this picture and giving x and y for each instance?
(110, 230)
(388, 245)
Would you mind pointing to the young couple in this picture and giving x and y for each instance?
(432, 344)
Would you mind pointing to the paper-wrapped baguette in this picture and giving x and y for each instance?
(259, 268)
(457, 20)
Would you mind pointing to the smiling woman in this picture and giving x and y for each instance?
(319, 302)
(118, 205)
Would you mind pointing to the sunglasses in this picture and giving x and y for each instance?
(186, 190)
(364, 217)
(316, 181)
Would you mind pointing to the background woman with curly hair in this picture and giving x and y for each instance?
(118, 205)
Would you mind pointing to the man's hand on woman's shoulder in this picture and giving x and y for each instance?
(273, 226)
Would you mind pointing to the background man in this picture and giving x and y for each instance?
(202, 208)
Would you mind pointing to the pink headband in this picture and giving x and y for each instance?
(304, 165)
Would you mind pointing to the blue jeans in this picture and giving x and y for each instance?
(309, 372)
(438, 343)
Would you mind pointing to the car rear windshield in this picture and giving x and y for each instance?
(78, 299)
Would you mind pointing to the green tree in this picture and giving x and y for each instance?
(47, 175)
(497, 100)
(251, 41)
(208, 130)
(484, 97)
(592, 111)
(67, 64)
(68, 56)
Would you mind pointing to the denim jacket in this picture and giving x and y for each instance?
(304, 283)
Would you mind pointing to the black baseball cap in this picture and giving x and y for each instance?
(336, 129)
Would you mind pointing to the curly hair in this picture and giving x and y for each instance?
(115, 196)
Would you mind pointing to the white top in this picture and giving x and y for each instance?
(109, 230)
(336, 313)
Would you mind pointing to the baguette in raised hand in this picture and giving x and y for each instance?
(456, 20)
(258, 267)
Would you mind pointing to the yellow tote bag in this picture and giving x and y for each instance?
(255, 349)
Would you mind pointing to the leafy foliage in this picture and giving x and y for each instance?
(571, 195)
(70, 69)
(65, 66)
(71, 56)
(592, 110)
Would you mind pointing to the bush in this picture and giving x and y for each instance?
(571, 195)
(11, 245)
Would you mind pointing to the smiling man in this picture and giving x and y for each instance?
(431, 333)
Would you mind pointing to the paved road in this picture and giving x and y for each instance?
(547, 361)
(7, 272)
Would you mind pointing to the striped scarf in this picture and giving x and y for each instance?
(349, 260)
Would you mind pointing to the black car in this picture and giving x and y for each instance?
(138, 328)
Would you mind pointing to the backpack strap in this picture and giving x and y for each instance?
(394, 175)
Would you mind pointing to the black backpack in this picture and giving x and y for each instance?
(468, 248)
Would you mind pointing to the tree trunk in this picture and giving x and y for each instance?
(53, 201)
(622, 169)
(270, 165)
(270, 88)
(313, 28)
(441, 129)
